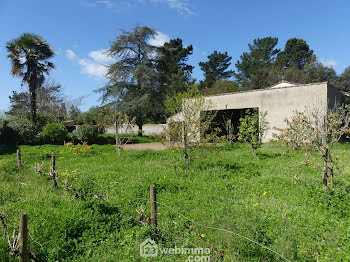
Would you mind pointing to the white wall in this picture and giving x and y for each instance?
(147, 129)
(279, 103)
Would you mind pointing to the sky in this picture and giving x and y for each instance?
(81, 30)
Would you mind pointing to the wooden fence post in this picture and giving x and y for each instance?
(185, 150)
(23, 234)
(53, 163)
(53, 171)
(117, 139)
(19, 158)
(153, 207)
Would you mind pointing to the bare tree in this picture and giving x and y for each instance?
(125, 122)
(190, 122)
(314, 130)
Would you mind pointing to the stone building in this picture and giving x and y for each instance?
(279, 101)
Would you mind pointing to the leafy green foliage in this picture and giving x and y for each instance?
(131, 85)
(313, 71)
(29, 55)
(265, 65)
(174, 72)
(49, 102)
(54, 133)
(7, 135)
(253, 66)
(216, 68)
(296, 53)
(21, 132)
(252, 128)
(87, 133)
(221, 87)
(343, 82)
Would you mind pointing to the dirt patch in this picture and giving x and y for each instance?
(145, 146)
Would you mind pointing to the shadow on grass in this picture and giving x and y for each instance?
(265, 156)
(7, 150)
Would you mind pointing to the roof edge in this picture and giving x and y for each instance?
(269, 88)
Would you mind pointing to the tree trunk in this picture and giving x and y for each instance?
(325, 154)
(33, 105)
(254, 150)
(325, 171)
(117, 140)
(139, 133)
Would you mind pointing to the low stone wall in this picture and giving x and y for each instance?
(147, 129)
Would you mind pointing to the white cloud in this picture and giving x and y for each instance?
(101, 56)
(94, 3)
(159, 39)
(95, 67)
(328, 62)
(109, 4)
(106, 3)
(180, 6)
(70, 54)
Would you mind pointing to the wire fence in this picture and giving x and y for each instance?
(211, 227)
(140, 201)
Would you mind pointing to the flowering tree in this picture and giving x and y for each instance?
(313, 130)
(190, 123)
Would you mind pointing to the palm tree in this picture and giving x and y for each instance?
(29, 54)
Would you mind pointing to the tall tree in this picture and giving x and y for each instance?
(343, 82)
(29, 55)
(313, 71)
(174, 72)
(49, 103)
(254, 66)
(132, 79)
(296, 53)
(221, 87)
(216, 68)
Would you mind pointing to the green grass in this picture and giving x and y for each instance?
(139, 139)
(135, 139)
(272, 199)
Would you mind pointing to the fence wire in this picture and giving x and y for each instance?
(213, 227)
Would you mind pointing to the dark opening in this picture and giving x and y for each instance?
(228, 121)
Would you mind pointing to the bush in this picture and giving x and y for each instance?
(87, 133)
(54, 133)
(6, 134)
(105, 139)
(72, 138)
(20, 131)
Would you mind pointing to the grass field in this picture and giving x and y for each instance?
(272, 199)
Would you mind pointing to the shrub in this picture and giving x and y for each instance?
(6, 135)
(55, 133)
(20, 131)
(106, 139)
(72, 138)
(87, 133)
(79, 149)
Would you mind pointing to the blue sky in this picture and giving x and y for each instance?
(79, 31)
